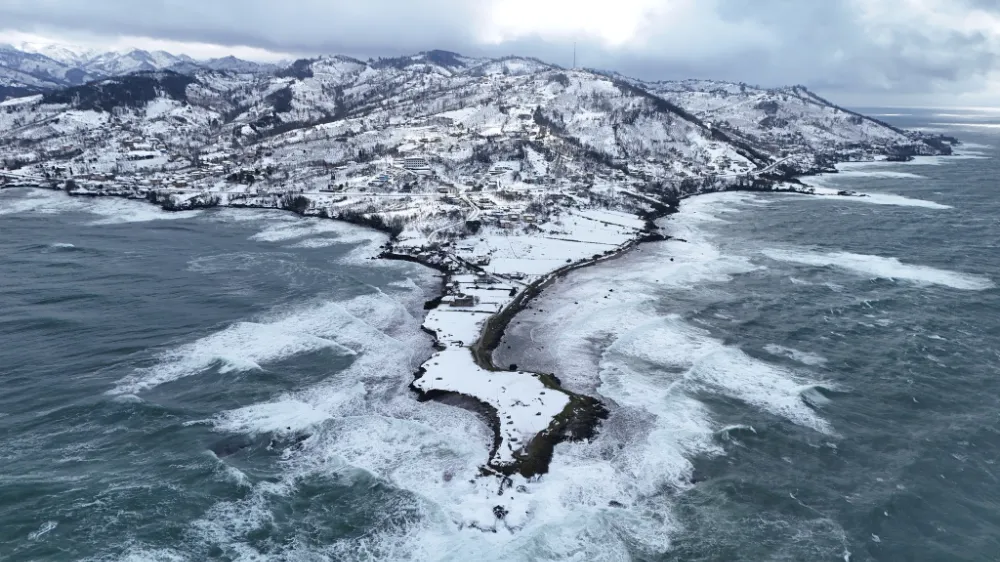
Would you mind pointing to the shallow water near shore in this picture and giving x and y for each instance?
(802, 378)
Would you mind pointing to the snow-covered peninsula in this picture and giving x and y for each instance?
(502, 174)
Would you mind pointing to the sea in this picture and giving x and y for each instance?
(789, 377)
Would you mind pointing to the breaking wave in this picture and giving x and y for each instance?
(804, 357)
(820, 185)
(879, 174)
(885, 268)
(298, 228)
(245, 346)
(111, 210)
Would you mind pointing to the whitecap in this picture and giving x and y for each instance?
(878, 174)
(287, 415)
(958, 125)
(884, 268)
(804, 357)
(311, 243)
(345, 233)
(246, 346)
(124, 211)
(813, 395)
(45, 529)
(834, 194)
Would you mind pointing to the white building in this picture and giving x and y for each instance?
(416, 164)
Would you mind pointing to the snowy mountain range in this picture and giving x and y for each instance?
(33, 68)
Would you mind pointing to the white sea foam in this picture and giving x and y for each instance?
(246, 346)
(141, 554)
(45, 529)
(821, 186)
(317, 243)
(283, 231)
(282, 416)
(112, 210)
(704, 362)
(39, 201)
(804, 357)
(886, 268)
(973, 147)
(898, 201)
(969, 125)
(238, 215)
(878, 174)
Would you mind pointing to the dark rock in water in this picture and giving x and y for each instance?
(288, 441)
(231, 445)
(618, 505)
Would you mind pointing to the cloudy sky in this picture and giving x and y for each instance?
(903, 52)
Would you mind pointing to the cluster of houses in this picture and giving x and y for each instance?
(412, 165)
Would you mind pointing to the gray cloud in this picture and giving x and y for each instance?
(864, 47)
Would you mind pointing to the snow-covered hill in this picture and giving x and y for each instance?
(781, 119)
(582, 129)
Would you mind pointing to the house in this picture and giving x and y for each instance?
(529, 218)
(464, 301)
(380, 180)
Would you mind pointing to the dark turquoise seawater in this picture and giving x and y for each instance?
(802, 379)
